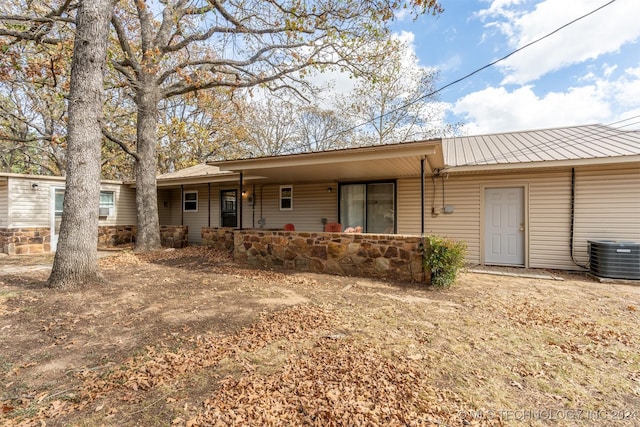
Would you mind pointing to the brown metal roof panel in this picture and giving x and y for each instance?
(570, 143)
(540, 148)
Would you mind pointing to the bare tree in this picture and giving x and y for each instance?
(323, 129)
(34, 81)
(398, 104)
(197, 45)
(33, 126)
(197, 127)
(271, 126)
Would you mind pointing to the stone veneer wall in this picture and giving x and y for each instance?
(28, 240)
(171, 236)
(110, 236)
(32, 240)
(218, 237)
(394, 257)
(174, 236)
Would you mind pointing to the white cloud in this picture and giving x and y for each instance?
(608, 69)
(605, 31)
(495, 109)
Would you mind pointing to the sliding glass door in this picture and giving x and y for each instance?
(368, 205)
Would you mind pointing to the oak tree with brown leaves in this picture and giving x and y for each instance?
(75, 262)
(172, 48)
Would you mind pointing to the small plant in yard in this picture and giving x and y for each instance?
(444, 257)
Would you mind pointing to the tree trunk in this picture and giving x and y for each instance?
(148, 234)
(76, 261)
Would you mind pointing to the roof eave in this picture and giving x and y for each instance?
(418, 148)
(543, 164)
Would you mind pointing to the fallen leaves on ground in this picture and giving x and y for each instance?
(336, 383)
(185, 337)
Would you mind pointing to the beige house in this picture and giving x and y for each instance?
(31, 210)
(531, 199)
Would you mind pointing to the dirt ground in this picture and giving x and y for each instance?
(188, 338)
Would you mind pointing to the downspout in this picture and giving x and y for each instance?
(241, 202)
(422, 176)
(573, 211)
(182, 205)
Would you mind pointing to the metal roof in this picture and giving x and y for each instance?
(547, 145)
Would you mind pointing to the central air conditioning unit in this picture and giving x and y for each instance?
(614, 259)
(103, 212)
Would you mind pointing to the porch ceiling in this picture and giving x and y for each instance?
(367, 163)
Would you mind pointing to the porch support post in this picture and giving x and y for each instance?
(182, 205)
(240, 203)
(422, 160)
(209, 205)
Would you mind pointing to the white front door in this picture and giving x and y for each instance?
(57, 199)
(504, 226)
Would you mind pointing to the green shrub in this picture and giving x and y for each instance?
(444, 258)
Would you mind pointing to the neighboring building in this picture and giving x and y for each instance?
(31, 209)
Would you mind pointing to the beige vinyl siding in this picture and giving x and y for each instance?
(167, 206)
(463, 193)
(125, 205)
(311, 203)
(170, 209)
(549, 219)
(546, 222)
(31, 207)
(28, 206)
(408, 206)
(251, 214)
(4, 199)
(195, 220)
(215, 203)
(607, 206)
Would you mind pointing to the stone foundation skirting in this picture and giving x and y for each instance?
(33, 240)
(394, 257)
(28, 240)
(174, 236)
(219, 238)
(171, 236)
(111, 236)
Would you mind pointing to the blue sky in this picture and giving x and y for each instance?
(587, 73)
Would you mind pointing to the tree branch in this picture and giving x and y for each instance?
(122, 145)
(124, 44)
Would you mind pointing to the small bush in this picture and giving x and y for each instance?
(444, 257)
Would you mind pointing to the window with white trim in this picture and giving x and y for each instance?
(286, 197)
(107, 203)
(190, 201)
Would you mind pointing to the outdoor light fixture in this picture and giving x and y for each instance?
(329, 189)
(34, 185)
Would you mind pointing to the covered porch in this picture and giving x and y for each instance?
(369, 190)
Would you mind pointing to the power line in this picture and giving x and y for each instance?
(477, 70)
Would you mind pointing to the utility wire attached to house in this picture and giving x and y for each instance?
(599, 133)
(475, 71)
